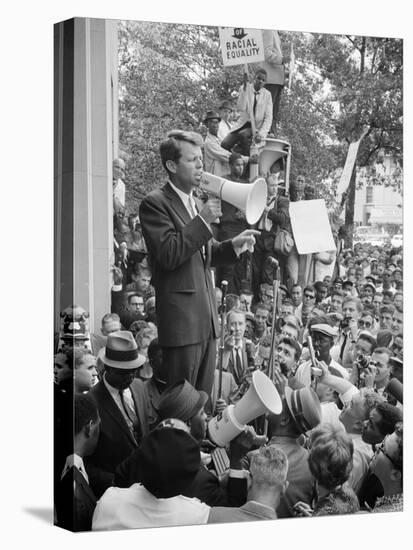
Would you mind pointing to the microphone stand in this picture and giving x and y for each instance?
(224, 288)
(275, 286)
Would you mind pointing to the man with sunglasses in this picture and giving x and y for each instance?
(303, 311)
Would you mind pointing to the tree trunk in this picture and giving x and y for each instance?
(349, 216)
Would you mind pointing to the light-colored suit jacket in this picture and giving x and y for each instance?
(263, 110)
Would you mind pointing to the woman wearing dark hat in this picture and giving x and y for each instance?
(169, 458)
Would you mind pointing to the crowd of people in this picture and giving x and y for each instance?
(179, 346)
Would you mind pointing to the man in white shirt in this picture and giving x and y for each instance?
(255, 120)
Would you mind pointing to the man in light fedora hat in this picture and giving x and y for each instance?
(225, 111)
(123, 408)
(301, 412)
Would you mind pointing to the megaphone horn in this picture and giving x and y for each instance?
(249, 197)
(262, 396)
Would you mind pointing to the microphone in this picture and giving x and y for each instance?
(224, 286)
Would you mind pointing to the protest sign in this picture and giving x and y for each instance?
(311, 226)
(240, 46)
(348, 166)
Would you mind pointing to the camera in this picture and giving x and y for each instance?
(344, 323)
(362, 361)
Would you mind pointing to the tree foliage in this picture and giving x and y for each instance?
(171, 74)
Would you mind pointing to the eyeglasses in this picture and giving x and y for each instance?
(365, 324)
(380, 448)
(310, 296)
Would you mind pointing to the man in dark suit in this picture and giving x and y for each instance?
(268, 467)
(123, 409)
(238, 355)
(181, 253)
(183, 402)
(75, 500)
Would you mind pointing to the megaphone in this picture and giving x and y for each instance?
(248, 197)
(261, 397)
(273, 150)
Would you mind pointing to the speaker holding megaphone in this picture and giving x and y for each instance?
(248, 197)
(261, 397)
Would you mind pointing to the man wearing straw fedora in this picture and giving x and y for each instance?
(123, 408)
(181, 252)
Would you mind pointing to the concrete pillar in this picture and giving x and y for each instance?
(85, 81)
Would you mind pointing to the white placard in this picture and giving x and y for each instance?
(348, 166)
(239, 45)
(311, 226)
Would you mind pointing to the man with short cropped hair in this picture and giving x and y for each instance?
(181, 251)
(268, 468)
(381, 422)
(110, 323)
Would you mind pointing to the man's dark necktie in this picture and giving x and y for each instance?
(255, 102)
(343, 346)
(131, 416)
(238, 363)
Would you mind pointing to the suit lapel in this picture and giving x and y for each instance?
(113, 410)
(177, 204)
(82, 483)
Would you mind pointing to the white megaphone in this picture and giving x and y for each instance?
(261, 397)
(249, 197)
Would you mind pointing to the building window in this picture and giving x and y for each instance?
(369, 194)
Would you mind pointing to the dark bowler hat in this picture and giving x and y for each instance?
(121, 351)
(181, 401)
(170, 459)
(304, 407)
(211, 115)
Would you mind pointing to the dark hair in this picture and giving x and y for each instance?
(133, 296)
(390, 416)
(234, 157)
(293, 344)
(367, 337)
(153, 348)
(85, 411)
(170, 148)
(320, 285)
(386, 309)
(260, 305)
(331, 455)
(260, 70)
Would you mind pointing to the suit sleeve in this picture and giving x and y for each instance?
(171, 247)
